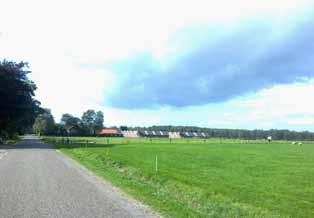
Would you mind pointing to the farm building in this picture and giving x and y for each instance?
(115, 132)
(162, 134)
(72, 131)
(187, 134)
(110, 132)
(194, 135)
(174, 135)
(200, 135)
(147, 133)
(165, 134)
(204, 135)
(131, 134)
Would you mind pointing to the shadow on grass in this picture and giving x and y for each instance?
(85, 145)
(49, 144)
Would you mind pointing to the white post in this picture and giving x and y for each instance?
(156, 164)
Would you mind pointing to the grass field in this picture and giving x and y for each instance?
(197, 178)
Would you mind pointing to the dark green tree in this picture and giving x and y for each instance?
(71, 123)
(59, 130)
(99, 122)
(93, 120)
(18, 108)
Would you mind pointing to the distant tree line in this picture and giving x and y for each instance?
(18, 107)
(88, 125)
(235, 133)
(91, 122)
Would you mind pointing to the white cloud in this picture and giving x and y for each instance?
(283, 106)
(284, 100)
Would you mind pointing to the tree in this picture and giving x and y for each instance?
(99, 122)
(93, 120)
(18, 108)
(70, 120)
(44, 124)
(71, 123)
(125, 128)
(88, 119)
(59, 130)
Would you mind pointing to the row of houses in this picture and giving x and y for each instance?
(115, 132)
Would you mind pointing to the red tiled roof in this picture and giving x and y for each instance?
(109, 131)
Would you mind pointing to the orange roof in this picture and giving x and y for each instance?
(109, 131)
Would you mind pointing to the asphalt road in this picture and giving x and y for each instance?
(37, 181)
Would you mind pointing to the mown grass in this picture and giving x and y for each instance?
(211, 178)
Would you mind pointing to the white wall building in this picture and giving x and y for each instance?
(131, 134)
(174, 135)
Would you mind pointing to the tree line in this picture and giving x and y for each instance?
(235, 133)
(88, 125)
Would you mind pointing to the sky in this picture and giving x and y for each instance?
(222, 64)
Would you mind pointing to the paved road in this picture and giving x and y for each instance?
(36, 181)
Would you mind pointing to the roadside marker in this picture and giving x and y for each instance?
(156, 164)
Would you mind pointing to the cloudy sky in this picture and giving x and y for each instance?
(227, 64)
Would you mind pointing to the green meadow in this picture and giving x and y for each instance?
(203, 178)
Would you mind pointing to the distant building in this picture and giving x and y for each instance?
(159, 134)
(194, 135)
(116, 132)
(187, 134)
(174, 135)
(202, 135)
(162, 134)
(110, 132)
(72, 130)
(131, 134)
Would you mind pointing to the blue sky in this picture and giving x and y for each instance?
(240, 64)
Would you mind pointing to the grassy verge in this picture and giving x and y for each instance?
(10, 142)
(204, 178)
